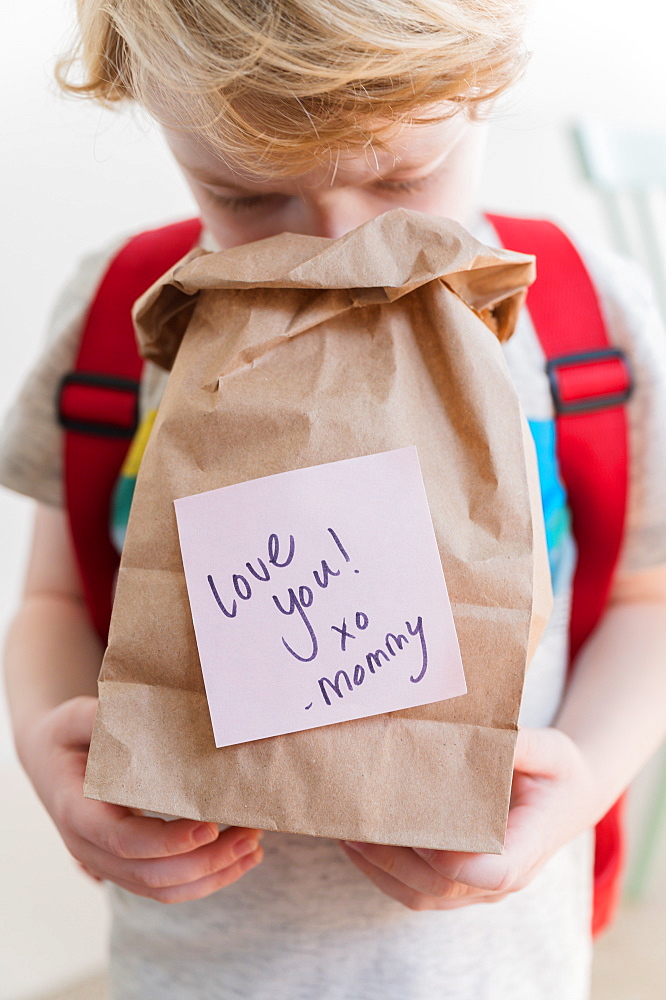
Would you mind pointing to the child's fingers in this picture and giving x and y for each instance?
(528, 844)
(120, 833)
(405, 865)
(198, 889)
(484, 873)
(545, 752)
(160, 873)
(387, 884)
(405, 894)
(73, 720)
(132, 836)
(456, 874)
(548, 807)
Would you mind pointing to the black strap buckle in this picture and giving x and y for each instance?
(75, 405)
(595, 401)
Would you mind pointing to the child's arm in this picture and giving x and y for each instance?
(52, 661)
(565, 777)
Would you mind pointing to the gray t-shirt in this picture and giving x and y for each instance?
(305, 924)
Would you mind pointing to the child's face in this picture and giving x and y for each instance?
(430, 168)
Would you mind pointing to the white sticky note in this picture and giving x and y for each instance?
(318, 596)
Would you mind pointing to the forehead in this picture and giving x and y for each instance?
(409, 147)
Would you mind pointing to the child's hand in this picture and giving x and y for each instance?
(552, 800)
(169, 861)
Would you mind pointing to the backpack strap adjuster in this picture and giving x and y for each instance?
(97, 404)
(590, 380)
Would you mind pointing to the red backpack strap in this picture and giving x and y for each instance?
(590, 381)
(98, 404)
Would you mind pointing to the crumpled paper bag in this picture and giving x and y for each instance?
(291, 352)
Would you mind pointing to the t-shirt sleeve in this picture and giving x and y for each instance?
(31, 440)
(635, 325)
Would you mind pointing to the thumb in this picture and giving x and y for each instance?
(73, 721)
(542, 752)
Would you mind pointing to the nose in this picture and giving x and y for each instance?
(337, 214)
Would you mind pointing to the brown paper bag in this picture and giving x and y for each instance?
(291, 352)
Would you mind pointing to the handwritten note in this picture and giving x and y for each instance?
(318, 596)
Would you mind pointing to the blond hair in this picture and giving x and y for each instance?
(282, 82)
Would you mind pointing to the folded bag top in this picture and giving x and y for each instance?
(292, 352)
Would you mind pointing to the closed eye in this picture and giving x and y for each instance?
(418, 184)
(274, 200)
(247, 203)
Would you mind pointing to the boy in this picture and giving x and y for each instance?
(313, 118)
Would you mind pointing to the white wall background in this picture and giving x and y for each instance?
(72, 175)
